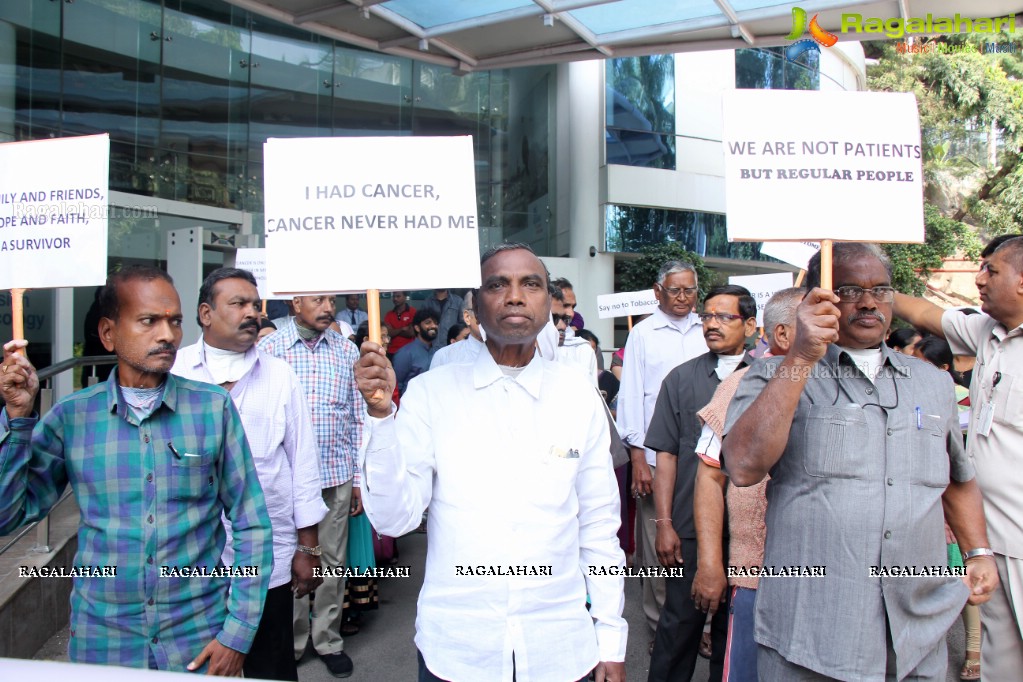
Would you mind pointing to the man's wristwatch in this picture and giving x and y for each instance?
(312, 551)
(976, 552)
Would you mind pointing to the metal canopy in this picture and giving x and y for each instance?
(473, 35)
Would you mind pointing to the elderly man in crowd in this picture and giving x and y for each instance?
(865, 454)
(671, 336)
(505, 593)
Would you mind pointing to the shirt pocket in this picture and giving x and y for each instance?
(1008, 398)
(837, 443)
(192, 477)
(930, 453)
(555, 476)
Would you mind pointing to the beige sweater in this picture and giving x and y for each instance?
(746, 506)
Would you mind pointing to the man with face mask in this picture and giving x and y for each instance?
(325, 362)
(279, 430)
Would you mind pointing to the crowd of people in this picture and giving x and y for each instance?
(821, 508)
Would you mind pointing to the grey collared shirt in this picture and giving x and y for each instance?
(859, 485)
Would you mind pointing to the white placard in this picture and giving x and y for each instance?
(346, 214)
(793, 253)
(254, 260)
(763, 287)
(53, 212)
(807, 165)
(626, 303)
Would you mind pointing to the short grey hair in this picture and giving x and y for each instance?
(781, 309)
(673, 266)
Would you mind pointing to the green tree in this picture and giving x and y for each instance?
(971, 118)
(641, 273)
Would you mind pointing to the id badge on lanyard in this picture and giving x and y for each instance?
(987, 410)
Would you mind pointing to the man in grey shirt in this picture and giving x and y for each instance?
(864, 451)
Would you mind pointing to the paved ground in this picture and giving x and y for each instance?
(384, 651)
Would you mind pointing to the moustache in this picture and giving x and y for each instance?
(859, 316)
(163, 348)
(712, 332)
(251, 324)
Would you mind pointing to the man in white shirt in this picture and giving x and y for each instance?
(463, 351)
(572, 350)
(352, 315)
(279, 430)
(512, 459)
(995, 439)
(671, 336)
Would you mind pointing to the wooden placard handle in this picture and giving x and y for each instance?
(373, 312)
(18, 315)
(826, 282)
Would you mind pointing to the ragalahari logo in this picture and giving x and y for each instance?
(799, 28)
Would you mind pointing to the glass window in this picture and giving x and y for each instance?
(768, 69)
(29, 70)
(630, 228)
(640, 111)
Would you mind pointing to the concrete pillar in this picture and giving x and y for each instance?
(580, 167)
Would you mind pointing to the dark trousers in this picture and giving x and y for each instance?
(272, 656)
(677, 642)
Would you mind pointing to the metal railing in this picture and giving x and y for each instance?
(42, 526)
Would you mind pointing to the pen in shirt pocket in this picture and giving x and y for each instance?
(178, 454)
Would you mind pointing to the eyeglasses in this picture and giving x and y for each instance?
(720, 317)
(674, 292)
(567, 319)
(852, 294)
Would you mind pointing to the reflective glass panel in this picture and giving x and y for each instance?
(640, 111)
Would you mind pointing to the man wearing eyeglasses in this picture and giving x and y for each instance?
(866, 461)
(729, 317)
(671, 336)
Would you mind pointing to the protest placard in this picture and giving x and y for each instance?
(626, 303)
(53, 212)
(347, 214)
(808, 165)
(254, 260)
(793, 253)
(762, 288)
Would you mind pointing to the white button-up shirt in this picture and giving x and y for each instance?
(655, 346)
(280, 433)
(458, 353)
(517, 475)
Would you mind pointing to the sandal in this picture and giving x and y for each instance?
(971, 669)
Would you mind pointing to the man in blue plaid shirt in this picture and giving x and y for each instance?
(154, 461)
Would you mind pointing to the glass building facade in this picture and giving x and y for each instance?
(189, 90)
